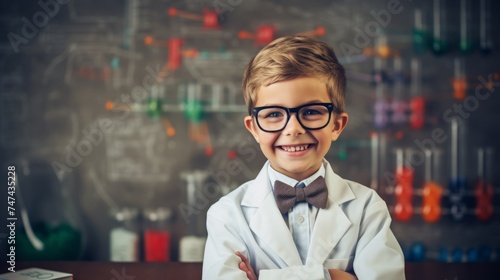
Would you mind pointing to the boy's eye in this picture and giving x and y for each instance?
(311, 112)
(275, 114)
(314, 110)
(271, 113)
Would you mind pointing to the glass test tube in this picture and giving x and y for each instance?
(432, 172)
(432, 191)
(439, 40)
(465, 27)
(154, 105)
(457, 183)
(375, 160)
(419, 33)
(484, 186)
(417, 102)
(398, 104)
(403, 209)
(459, 79)
(381, 105)
(485, 34)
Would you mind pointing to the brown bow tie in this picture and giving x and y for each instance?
(286, 196)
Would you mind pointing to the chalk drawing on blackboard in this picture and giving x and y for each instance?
(67, 126)
(217, 67)
(78, 15)
(100, 190)
(94, 63)
(194, 32)
(14, 122)
(216, 97)
(236, 169)
(232, 138)
(56, 61)
(136, 151)
(85, 59)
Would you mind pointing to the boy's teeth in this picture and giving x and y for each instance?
(294, 148)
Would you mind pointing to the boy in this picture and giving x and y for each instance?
(275, 228)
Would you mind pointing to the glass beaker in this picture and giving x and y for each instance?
(157, 234)
(51, 227)
(124, 235)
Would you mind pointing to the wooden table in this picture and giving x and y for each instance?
(121, 271)
(188, 271)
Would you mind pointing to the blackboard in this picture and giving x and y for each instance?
(70, 69)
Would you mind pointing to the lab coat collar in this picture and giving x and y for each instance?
(268, 223)
(331, 223)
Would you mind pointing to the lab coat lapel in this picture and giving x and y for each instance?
(331, 223)
(267, 222)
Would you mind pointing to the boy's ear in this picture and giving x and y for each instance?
(340, 123)
(251, 126)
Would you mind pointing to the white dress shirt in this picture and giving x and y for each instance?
(302, 216)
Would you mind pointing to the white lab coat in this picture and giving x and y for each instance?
(352, 234)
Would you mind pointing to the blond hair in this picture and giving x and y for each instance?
(291, 57)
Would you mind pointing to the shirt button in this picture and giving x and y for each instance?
(300, 219)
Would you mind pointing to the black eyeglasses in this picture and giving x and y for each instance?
(310, 116)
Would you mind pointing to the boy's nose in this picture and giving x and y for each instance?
(293, 127)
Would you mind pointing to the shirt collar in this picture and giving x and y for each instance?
(275, 175)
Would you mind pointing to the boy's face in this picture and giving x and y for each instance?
(285, 148)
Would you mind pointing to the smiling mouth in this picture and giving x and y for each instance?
(296, 148)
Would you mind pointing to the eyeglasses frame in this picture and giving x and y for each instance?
(331, 108)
